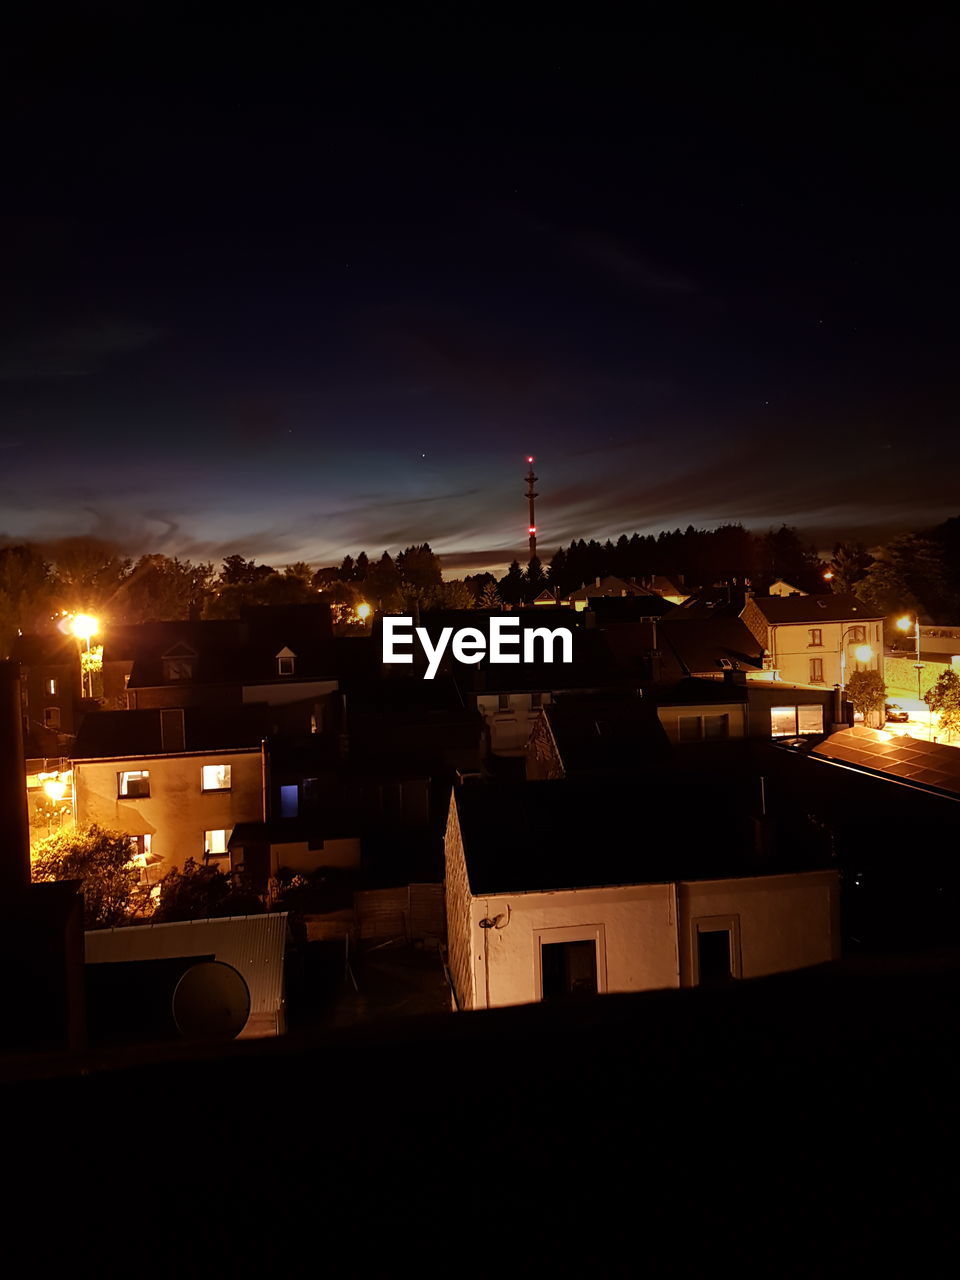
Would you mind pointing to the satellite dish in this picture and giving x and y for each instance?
(211, 1002)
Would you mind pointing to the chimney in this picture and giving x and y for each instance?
(172, 736)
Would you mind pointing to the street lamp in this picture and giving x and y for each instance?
(863, 653)
(83, 626)
(364, 611)
(903, 624)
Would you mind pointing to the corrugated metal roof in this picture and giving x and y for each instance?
(254, 945)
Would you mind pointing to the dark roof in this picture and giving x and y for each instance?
(927, 765)
(131, 734)
(824, 608)
(701, 644)
(35, 650)
(607, 732)
(609, 586)
(692, 691)
(576, 833)
(312, 831)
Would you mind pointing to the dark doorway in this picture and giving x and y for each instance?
(713, 958)
(568, 969)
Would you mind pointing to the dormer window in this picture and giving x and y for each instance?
(286, 661)
(179, 663)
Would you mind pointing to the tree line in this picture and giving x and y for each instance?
(917, 571)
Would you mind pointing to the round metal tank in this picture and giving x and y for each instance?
(211, 1002)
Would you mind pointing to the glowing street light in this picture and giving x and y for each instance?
(55, 789)
(364, 611)
(84, 626)
(862, 653)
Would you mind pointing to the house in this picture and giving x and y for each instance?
(594, 732)
(813, 639)
(556, 889)
(50, 690)
(176, 780)
(258, 850)
(272, 654)
(781, 588)
(608, 586)
(666, 588)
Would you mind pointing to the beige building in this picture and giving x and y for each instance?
(530, 918)
(803, 637)
(157, 776)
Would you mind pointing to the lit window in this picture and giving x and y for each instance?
(215, 843)
(52, 687)
(141, 846)
(783, 722)
(810, 719)
(134, 784)
(816, 671)
(816, 636)
(285, 662)
(51, 717)
(289, 800)
(216, 777)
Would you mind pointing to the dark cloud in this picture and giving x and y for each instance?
(71, 351)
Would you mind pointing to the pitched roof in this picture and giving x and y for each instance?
(708, 644)
(927, 765)
(609, 586)
(598, 732)
(826, 608)
(35, 650)
(132, 734)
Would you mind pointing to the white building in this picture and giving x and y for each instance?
(544, 899)
(803, 637)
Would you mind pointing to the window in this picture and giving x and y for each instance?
(178, 668)
(568, 969)
(569, 962)
(134, 784)
(536, 701)
(816, 636)
(816, 671)
(689, 729)
(856, 635)
(215, 777)
(503, 702)
(716, 950)
(52, 686)
(51, 717)
(289, 801)
(141, 845)
(215, 843)
(783, 722)
(716, 726)
(286, 660)
(810, 719)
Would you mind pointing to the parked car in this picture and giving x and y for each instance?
(895, 714)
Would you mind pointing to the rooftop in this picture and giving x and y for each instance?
(826, 608)
(133, 734)
(927, 765)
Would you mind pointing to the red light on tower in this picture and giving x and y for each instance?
(532, 529)
(529, 457)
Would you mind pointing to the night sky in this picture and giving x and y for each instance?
(296, 290)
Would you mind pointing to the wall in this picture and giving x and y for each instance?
(900, 676)
(459, 912)
(791, 650)
(300, 856)
(640, 938)
(734, 711)
(943, 641)
(509, 730)
(177, 811)
(277, 693)
(786, 922)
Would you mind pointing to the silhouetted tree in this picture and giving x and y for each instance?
(512, 586)
(159, 589)
(201, 891)
(535, 579)
(490, 596)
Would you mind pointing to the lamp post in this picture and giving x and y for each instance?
(863, 653)
(83, 626)
(904, 625)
